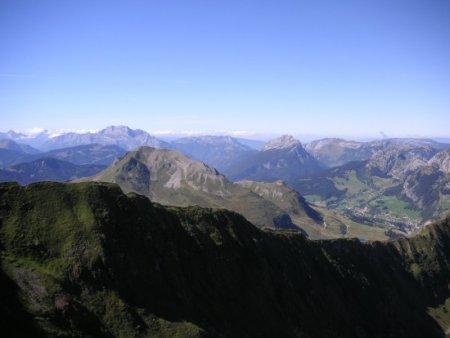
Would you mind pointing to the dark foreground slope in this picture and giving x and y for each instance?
(87, 260)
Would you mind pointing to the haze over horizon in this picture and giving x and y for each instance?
(245, 68)
(170, 135)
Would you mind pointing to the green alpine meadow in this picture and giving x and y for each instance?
(87, 260)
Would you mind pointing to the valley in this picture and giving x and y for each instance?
(372, 192)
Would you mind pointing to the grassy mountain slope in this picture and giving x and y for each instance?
(358, 192)
(87, 260)
(171, 178)
(337, 225)
(317, 222)
(285, 198)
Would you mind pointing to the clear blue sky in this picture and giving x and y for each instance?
(349, 67)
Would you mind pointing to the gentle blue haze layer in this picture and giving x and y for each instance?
(347, 67)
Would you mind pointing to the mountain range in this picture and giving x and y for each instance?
(81, 155)
(394, 185)
(47, 169)
(33, 140)
(211, 237)
(88, 154)
(86, 260)
(121, 136)
(333, 152)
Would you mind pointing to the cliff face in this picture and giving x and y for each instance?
(87, 260)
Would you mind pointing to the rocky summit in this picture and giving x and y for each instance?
(282, 142)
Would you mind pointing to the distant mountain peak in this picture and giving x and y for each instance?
(282, 142)
(121, 130)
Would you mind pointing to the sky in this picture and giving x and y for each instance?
(339, 68)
